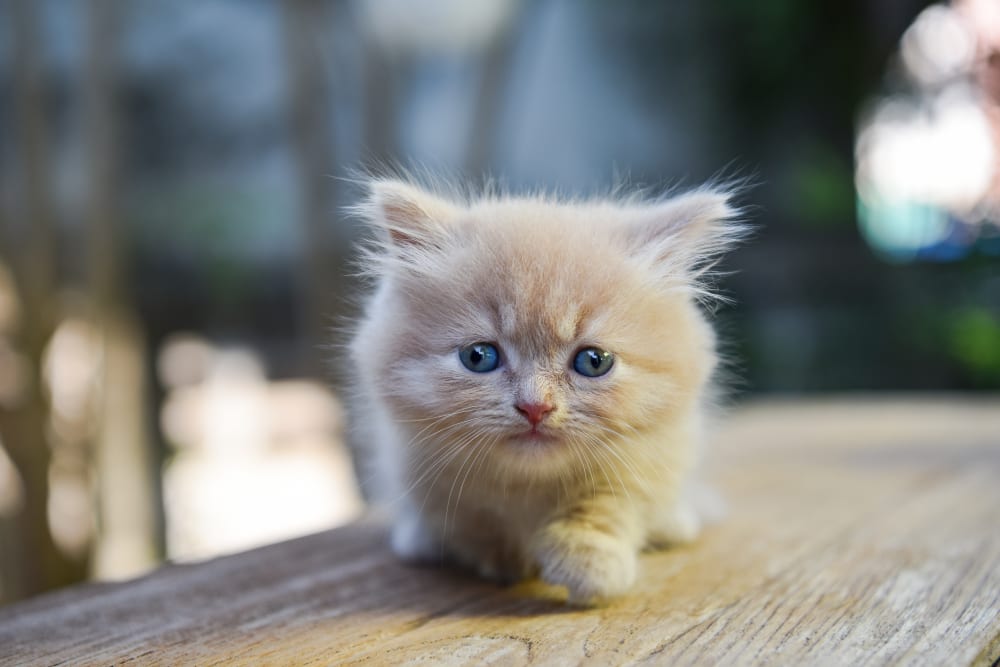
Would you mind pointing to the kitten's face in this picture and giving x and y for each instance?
(533, 334)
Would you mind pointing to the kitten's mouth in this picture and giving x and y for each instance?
(536, 436)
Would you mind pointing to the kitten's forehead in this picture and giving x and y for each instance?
(559, 321)
(536, 276)
(547, 274)
(567, 325)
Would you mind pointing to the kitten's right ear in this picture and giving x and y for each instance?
(689, 231)
(407, 215)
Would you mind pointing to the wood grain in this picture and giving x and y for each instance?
(862, 531)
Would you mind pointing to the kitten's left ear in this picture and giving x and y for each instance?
(409, 216)
(689, 231)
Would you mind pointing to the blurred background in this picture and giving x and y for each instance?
(174, 249)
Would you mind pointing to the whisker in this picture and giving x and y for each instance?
(455, 451)
(600, 448)
(447, 506)
(602, 468)
(480, 455)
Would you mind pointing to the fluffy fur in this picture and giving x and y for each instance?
(606, 472)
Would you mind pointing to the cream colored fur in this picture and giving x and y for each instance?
(540, 279)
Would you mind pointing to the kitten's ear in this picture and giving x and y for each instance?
(406, 214)
(689, 231)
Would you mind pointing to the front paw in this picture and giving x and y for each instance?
(592, 565)
(680, 525)
(413, 541)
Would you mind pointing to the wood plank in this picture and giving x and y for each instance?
(860, 532)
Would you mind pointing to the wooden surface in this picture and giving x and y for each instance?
(860, 532)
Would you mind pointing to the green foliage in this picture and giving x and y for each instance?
(974, 341)
(209, 220)
(822, 189)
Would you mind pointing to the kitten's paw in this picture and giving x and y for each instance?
(678, 526)
(593, 566)
(682, 523)
(411, 540)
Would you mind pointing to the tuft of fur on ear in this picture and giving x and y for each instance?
(405, 214)
(686, 234)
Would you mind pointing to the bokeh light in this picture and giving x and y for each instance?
(927, 156)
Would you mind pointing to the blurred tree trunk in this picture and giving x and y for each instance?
(310, 118)
(380, 131)
(128, 538)
(30, 561)
(491, 96)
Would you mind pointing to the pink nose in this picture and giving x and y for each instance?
(534, 412)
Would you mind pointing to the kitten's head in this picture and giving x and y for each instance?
(533, 330)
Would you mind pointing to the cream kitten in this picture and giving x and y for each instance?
(532, 375)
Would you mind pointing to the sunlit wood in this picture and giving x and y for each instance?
(861, 530)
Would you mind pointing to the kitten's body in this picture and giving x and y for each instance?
(533, 467)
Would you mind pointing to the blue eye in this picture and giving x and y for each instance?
(480, 357)
(593, 362)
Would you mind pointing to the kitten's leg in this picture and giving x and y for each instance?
(479, 540)
(477, 545)
(412, 539)
(493, 556)
(592, 549)
(677, 524)
(681, 521)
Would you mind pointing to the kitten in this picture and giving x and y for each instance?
(533, 375)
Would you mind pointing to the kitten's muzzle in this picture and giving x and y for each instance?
(534, 412)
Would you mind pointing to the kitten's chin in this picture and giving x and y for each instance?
(535, 454)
